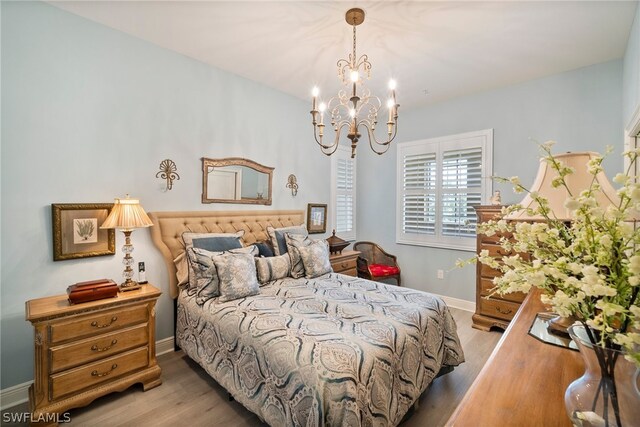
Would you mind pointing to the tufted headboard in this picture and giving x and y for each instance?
(168, 227)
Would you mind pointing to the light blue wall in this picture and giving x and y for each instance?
(88, 113)
(581, 109)
(631, 71)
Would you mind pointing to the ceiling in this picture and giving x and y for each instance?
(435, 50)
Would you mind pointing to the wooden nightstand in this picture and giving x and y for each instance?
(345, 263)
(87, 350)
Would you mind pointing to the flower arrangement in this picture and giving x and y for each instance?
(588, 267)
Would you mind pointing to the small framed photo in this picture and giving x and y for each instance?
(316, 218)
(77, 233)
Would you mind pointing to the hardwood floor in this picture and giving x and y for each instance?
(188, 396)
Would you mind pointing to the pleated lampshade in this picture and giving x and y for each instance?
(127, 214)
(577, 182)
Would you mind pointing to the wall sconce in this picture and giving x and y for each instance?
(168, 171)
(292, 183)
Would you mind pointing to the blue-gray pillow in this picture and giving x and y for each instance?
(264, 249)
(277, 236)
(218, 243)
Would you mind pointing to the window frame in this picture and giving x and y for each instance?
(342, 152)
(482, 139)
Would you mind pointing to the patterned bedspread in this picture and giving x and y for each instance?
(334, 350)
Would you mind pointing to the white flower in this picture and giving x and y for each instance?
(571, 204)
(621, 178)
(634, 265)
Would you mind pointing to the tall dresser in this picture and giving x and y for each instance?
(494, 311)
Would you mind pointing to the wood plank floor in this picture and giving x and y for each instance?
(188, 396)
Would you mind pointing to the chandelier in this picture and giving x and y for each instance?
(354, 108)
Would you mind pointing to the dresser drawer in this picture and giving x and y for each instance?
(487, 284)
(342, 266)
(98, 323)
(77, 353)
(498, 308)
(488, 272)
(87, 376)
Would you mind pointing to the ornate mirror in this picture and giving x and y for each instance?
(236, 180)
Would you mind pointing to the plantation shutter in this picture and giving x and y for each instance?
(345, 197)
(419, 198)
(461, 191)
(344, 190)
(439, 181)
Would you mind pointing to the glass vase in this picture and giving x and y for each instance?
(607, 394)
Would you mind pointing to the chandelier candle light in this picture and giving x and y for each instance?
(352, 108)
(127, 215)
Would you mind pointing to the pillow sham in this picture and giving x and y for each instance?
(213, 242)
(315, 258)
(236, 275)
(272, 268)
(295, 241)
(277, 236)
(204, 274)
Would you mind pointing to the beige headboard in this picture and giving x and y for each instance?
(168, 227)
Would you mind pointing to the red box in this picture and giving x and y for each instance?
(92, 290)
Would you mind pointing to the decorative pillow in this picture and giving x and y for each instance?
(204, 274)
(295, 241)
(265, 249)
(272, 268)
(213, 242)
(236, 275)
(277, 236)
(315, 258)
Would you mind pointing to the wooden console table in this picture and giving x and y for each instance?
(524, 380)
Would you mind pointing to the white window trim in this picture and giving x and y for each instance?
(632, 138)
(439, 241)
(343, 151)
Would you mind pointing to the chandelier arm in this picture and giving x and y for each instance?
(336, 142)
(372, 137)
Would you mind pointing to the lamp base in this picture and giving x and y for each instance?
(129, 286)
(559, 326)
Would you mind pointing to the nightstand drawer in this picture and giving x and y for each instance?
(69, 355)
(351, 272)
(97, 323)
(96, 373)
(498, 308)
(342, 266)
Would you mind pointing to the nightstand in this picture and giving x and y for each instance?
(84, 351)
(345, 263)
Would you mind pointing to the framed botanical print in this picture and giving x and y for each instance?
(316, 218)
(77, 233)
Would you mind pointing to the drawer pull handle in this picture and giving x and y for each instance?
(344, 265)
(508, 311)
(104, 374)
(96, 348)
(106, 325)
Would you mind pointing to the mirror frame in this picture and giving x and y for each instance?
(235, 161)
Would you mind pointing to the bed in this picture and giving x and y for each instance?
(333, 350)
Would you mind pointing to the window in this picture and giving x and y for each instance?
(439, 182)
(343, 193)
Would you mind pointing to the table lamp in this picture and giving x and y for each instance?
(127, 215)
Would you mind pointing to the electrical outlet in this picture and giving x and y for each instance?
(440, 274)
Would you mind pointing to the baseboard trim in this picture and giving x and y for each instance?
(164, 346)
(17, 394)
(461, 304)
